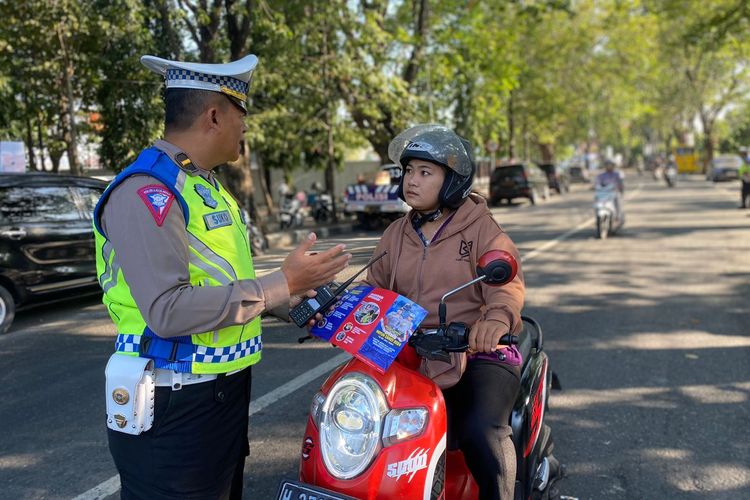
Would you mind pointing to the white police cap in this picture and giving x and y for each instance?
(231, 79)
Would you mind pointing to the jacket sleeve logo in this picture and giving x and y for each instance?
(464, 251)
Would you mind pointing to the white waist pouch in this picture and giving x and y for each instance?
(130, 390)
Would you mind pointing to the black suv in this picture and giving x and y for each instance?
(46, 238)
(558, 177)
(518, 180)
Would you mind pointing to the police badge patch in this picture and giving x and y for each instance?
(158, 199)
(205, 193)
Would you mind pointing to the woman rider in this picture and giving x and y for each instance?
(435, 248)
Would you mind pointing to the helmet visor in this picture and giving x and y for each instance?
(440, 143)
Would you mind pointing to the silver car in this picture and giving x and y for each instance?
(724, 168)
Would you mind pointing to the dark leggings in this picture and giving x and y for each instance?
(479, 408)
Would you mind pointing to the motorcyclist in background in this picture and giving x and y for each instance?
(611, 176)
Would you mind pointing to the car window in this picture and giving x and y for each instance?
(24, 204)
(509, 171)
(88, 197)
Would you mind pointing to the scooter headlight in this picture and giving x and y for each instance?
(350, 424)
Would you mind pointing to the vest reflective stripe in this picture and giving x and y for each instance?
(211, 256)
(107, 256)
(217, 255)
(179, 184)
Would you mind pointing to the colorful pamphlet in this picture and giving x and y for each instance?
(373, 324)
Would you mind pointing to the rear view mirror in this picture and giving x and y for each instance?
(498, 267)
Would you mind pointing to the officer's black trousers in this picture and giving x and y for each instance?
(479, 408)
(745, 194)
(196, 448)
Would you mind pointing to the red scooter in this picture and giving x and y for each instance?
(371, 435)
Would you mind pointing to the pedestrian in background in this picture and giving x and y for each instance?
(744, 173)
(174, 263)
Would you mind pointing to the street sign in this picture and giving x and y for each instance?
(12, 157)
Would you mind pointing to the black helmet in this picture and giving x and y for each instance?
(440, 145)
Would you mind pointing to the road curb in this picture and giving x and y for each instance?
(293, 236)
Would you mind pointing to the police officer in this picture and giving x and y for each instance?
(174, 263)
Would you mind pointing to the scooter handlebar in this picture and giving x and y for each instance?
(438, 343)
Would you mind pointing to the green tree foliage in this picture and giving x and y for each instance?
(533, 76)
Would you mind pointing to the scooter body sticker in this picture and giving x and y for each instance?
(411, 465)
(307, 447)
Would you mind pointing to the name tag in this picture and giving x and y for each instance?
(217, 219)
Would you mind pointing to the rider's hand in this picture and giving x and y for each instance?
(304, 272)
(485, 335)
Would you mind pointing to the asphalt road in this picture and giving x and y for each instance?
(648, 332)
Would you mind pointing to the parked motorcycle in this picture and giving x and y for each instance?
(381, 436)
(290, 213)
(322, 209)
(608, 210)
(258, 240)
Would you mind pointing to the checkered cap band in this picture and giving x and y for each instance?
(184, 78)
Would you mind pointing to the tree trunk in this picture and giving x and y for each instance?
(511, 128)
(265, 184)
(68, 106)
(30, 145)
(40, 144)
(239, 177)
(420, 13)
(331, 161)
(709, 141)
(54, 156)
(331, 170)
(547, 151)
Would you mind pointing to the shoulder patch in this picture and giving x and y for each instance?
(158, 199)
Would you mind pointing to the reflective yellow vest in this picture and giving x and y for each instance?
(219, 252)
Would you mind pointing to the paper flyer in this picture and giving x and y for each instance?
(371, 323)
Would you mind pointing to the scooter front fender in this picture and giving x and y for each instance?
(409, 469)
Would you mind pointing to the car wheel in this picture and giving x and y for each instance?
(7, 309)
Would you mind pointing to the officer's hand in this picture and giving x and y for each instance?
(296, 299)
(304, 272)
(485, 334)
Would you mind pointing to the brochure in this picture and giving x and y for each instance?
(373, 324)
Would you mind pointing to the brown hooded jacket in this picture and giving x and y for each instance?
(425, 273)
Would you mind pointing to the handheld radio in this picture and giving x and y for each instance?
(310, 306)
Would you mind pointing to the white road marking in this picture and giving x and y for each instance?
(111, 485)
(297, 382)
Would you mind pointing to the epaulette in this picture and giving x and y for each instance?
(185, 162)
